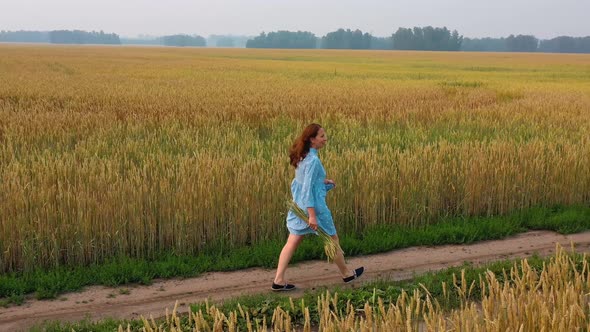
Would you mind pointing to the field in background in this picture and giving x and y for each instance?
(108, 151)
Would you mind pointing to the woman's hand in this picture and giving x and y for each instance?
(313, 223)
(328, 181)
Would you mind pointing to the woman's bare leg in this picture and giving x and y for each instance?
(288, 250)
(339, 260)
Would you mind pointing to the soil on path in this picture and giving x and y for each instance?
(129, 302)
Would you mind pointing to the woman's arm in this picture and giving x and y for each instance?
(309, 180)
(330, 184)
(313, 221)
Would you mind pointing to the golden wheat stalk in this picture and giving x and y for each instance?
(331, 248)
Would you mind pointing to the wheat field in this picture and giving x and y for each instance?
(108, 151)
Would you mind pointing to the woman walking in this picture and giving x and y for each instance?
(309, 189)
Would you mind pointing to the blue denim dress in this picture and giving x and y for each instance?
(309, 190)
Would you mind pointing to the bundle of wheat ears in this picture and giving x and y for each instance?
(331, 248)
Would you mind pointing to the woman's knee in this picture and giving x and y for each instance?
(294, 240)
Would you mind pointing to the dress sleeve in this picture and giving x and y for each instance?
(309, 179)
(329, 186)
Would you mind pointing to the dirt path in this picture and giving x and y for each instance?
(129, 302)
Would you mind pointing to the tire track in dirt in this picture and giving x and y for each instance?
(98, 302)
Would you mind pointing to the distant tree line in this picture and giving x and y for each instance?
(224, 41)
(183, 40)
(426, 38)
(141, 41)
(60, 37)
(347, 39)
(22, 36)
(227, 41)
(284, 39)
(520, 43)
(381, 43)
(484, 44)
(82, 37)
(171, 40)
(528, 43)
(417, 38)
(565, 44)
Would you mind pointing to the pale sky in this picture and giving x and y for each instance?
(128, 18)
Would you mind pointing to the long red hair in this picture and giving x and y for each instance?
(302, 144)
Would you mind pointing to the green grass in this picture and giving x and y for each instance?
(123, 270)
(87, 325)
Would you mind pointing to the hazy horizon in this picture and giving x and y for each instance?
(544, 19)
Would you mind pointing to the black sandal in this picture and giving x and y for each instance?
(282, 288)
(357, 273)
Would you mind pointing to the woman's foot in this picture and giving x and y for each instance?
(357, 273)
(281, 287)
